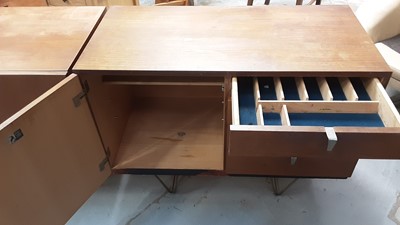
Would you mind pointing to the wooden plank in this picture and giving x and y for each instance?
(348, 89)
(32, 41)
(301, 88)
(259, 115)
(235, 102)
(173, 133)
(223, 40)
(56, 161)
(278, 89)
(256, 91)
(324, 88)
(285, 116)
(386, 110)
(321, 106)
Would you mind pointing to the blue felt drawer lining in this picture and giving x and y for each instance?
(247, 112)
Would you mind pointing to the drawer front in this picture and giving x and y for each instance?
(353, 118)
(67, 2)
(291, 167)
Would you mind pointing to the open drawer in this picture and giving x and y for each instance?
(313, 117)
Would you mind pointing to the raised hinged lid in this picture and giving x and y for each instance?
(44, 40)
(259, 39)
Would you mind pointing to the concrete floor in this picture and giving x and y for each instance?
(370, 196)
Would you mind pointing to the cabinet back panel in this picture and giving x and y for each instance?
(18, 91)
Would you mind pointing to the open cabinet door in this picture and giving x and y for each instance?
(51, 158)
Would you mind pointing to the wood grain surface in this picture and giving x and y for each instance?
(173, 133)
(261, 39)
(18, 91)
(44, 40)
(11, 3)
(280, 166)
(54, 168)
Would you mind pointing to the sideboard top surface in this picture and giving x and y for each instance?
(237, 39)
(44, 40)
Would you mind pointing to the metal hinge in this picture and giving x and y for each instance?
(104, 162)
(15, 136)
(77, 99)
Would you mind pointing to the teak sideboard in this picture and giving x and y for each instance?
(268, 91)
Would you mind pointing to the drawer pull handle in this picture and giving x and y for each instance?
(293, 160)
(332, 138)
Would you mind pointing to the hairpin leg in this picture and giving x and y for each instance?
(174, 184)
(275, 185)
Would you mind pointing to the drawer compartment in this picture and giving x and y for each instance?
(156, 122)
(284, 117)
(287, 166)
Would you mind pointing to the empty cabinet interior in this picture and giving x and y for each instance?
(159, 122)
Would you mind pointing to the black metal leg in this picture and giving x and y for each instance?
(275, 185)
(267, 2)
(249, 2)
(174, 184)
(318, 2)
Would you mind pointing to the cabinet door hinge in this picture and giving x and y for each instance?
(77, 99)
(104, 162)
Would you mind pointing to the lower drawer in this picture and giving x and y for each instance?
(291, 167)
